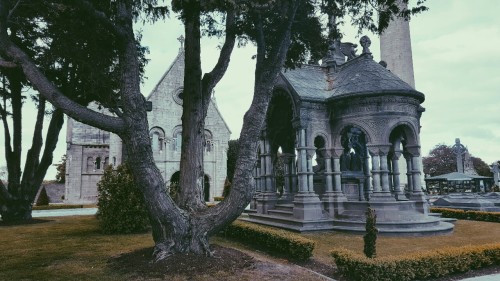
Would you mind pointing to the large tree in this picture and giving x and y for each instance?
(77, 61)
(185, 226)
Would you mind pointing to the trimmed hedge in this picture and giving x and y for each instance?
(417, 266)
(468, 215)
(273, 241)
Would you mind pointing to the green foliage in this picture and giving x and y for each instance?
(481, 167)
(468, 215)
(441, 160)
(174, 190)
(274, 241)
(370, 238)
(232, 155)
(121, 207)
(43, 198)
(61, 170)
(419, 266)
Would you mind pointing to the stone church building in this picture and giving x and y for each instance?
(90, 149)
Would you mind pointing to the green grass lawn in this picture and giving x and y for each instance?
(71, 248)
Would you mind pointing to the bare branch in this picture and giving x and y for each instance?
(11, 12)
(54, 95)
(211, 79)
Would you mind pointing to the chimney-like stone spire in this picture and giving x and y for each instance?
(395, 47)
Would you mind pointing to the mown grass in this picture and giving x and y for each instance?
(69, 248)
(72, 248)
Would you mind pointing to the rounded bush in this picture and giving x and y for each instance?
(121, 207)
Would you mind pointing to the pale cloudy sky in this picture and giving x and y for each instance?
(456, 56)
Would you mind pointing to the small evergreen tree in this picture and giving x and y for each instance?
(61, 170)
(227, 188)
(370, 237)
(121, 207)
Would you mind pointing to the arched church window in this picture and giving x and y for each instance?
(98, 163)
(209, 143)
(106, 161)
(114, 161)
(157, 136)
(177, 139)
(90, 164)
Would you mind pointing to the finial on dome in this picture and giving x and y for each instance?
(365, 42)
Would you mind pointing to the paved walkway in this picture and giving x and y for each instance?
(64, 212)
(492, 277)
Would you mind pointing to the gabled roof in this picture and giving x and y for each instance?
(178, 59)
(456, 176)
(360, 76)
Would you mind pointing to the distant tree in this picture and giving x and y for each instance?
(61, 170)
(441, 160)
(481, 167)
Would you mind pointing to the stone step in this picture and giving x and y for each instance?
(289, 223)
(284, 207)
(280, 213)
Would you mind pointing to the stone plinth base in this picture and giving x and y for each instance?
(266, 201)
(333, 203)
(307, 206)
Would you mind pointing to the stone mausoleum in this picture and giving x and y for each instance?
(342, 130)
(89, 149)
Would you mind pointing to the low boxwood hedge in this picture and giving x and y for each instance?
(468, 215)
(273, 241)
(416, 266)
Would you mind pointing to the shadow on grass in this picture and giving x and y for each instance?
(33, 221)
(140, 263)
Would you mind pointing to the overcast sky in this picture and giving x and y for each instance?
(456, 56)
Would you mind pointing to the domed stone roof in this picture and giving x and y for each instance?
(360, 76)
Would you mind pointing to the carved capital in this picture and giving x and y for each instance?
(414, 150)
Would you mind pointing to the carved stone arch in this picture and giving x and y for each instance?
(323, 135)
(405, 127)
(177, 138)
(281, 90)
(157, 137)
(279, 129)
(337, 134)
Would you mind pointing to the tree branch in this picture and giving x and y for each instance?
(41, 83)
(7, 64)
(211, 79)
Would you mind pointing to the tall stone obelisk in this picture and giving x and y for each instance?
(395, 48)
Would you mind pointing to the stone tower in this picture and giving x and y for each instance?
(395, 48)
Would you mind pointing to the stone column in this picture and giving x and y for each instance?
(307, 205)
(417, 193)
(268, 197)
(334, 198)
(380, 174)
(400, 195)
(287, 159)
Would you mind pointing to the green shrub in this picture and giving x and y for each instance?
(121, 207)
(417, 266)
(43, 198)
(273, 241)
(370, 238)
(468, 215)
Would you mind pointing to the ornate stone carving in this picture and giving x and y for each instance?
(365, 42)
